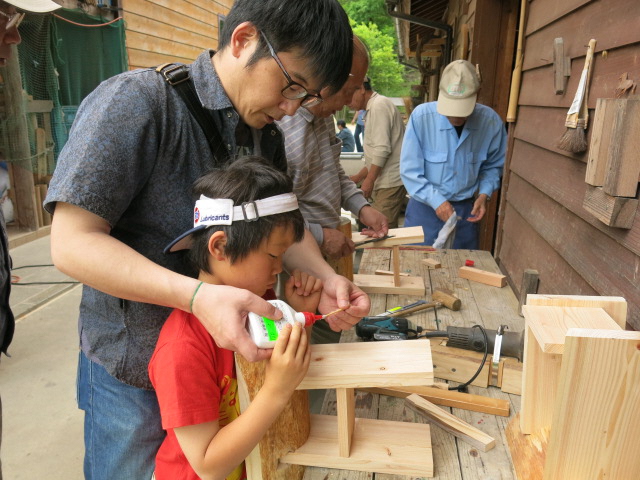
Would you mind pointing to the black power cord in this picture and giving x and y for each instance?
(15, 279)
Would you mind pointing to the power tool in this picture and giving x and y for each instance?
(467, 338)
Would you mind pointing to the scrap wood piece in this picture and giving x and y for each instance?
(432, 263)
(482, 276)
(451, 423)
(626, 85)
(449, 398)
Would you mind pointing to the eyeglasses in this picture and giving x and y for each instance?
(13, 20)
(293, 90)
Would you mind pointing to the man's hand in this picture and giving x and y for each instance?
(223, 312)
(367, 187)
(339, 292)
(479, 208)
(335, 244)
(444, 211)
(377, 222)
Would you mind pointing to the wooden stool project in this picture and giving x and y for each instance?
(580, 390)
(393, 284)
(344, 441)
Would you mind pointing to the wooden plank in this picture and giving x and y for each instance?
(482, 276)
(39, 106)
(596, 421)
(561, 66)
(530, 280)
(401, 236)
(616, 307)
(346, 405)
(432, 263)
(162, 46)
(539, 385)
(378, 446)
(451, 423)
(599, 144)
(528, 452)
(563, 180)
(143, 59)
(386, 285)
(545, 12)
(623, 168)
(38, 196)
(607, 266)
(458, 365)
(617, 212)
(183, 16)
(395, 259)
(371, 364)
(596, 19)
(449, 398)
(289, 431)
(550, 324)
(511, 376)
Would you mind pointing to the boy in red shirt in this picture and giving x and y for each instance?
(245, 220)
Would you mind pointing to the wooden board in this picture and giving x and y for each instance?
(451, 423)
(401, 236)
(378, 446)
(511, 376)
(386, 285)
(346, 406)
(458, 365)
(289, 431)
(597, 419)
(369, 364)
(481, 276)
(550, 324)
(618, 212)
(449, 398)
(432, 263)
(616, 307)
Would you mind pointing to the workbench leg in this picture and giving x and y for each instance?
(395, 253)
(346, 405)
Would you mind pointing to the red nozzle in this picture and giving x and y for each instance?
(469, 263)
(311, 318)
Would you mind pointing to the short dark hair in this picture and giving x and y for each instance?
(367, 84)
(342, 123)
(246, 179)
(319, 28)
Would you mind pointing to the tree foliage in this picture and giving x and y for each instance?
(371, 22)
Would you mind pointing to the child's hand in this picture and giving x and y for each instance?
(289, 361)
(302, 291)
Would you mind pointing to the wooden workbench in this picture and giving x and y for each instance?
(481, 304)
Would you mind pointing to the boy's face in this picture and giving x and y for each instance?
(257, 271)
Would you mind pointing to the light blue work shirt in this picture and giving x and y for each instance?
(437, 166)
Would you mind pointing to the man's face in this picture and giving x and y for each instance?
(259, 100)
(9, 36)
(358, 99)
(342, 97)
(457, 121)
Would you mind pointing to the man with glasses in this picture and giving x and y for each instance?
(10, 19)
(121, 193)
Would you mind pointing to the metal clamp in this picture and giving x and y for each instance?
(255, 209)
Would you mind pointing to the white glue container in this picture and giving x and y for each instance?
(265, 331)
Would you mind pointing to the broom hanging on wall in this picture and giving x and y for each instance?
(574, 139)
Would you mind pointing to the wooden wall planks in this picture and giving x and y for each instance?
(545, 225)
(160, 31)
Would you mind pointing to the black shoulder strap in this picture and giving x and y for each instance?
(177, 75)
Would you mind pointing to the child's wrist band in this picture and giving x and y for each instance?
(193, 297)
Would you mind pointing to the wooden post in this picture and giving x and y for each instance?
(529, 285)
(396, 265)
(346, 406)
(17, 133)
(289, 432)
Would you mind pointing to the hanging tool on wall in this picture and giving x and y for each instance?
(574, 139)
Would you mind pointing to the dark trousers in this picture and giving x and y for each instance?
(466, 233)
(356, 134)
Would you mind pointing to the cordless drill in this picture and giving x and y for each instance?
(385, 328)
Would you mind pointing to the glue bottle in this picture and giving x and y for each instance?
(265, 331)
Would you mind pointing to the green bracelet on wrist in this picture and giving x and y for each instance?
(193, 297)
